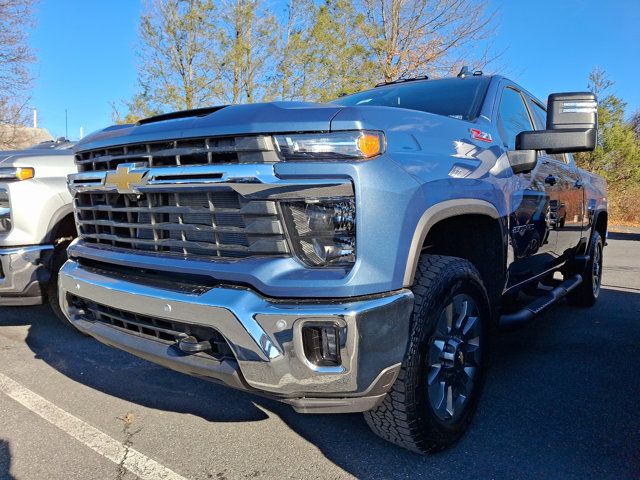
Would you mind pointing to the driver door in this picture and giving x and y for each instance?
(533, 242)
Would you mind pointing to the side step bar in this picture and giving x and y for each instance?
(541, 303)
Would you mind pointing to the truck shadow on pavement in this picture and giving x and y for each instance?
(624, 235)
(5, 461)
(560, 399)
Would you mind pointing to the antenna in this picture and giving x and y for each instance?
(66, 124)
(35, 118)
(463, 72)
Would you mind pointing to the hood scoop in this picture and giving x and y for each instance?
(195, 112)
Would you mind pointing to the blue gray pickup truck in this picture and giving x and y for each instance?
(354, 256)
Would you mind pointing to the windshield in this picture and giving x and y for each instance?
(454, 97)
(60, 144)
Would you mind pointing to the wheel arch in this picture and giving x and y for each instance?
(62, 224)
(601, 223)
(437, 213)
(466, 228)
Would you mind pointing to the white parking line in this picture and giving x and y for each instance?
(129, 458)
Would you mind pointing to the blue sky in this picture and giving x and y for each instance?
(86, 58)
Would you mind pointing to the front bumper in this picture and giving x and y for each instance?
(23, 273)
(263, 334)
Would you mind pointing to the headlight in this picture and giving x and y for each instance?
(352, 145)
(323, 232)
(5, 211)
(16, 173)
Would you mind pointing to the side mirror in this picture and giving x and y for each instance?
(522, 161)
(572, 125)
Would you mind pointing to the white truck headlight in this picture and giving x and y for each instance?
(5, 211)
(322, 232)
(347, 145)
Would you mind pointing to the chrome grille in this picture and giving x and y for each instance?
(218, 223)
(199, 151)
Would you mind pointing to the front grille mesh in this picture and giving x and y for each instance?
(199, 151)
(220, 223)
(166, 331)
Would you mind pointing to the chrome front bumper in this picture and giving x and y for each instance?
(263, 334)
(23, 272)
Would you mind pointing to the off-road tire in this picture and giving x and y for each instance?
(405, 417)
(586, 294)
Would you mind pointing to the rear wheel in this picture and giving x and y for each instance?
(586, 294)
(433, 400)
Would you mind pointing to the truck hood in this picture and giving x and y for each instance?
(402, 126)
(11, 158)
(274, 117)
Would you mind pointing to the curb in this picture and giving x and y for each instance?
(624, 229)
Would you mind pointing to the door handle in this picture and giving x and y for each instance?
(551, 180)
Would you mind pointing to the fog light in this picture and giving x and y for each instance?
(321, 344)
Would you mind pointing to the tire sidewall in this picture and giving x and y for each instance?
(596, 241)
(58, 260)
(441, 295)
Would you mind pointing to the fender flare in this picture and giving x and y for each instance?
(57, 217)
(596, 215)
(433, 215)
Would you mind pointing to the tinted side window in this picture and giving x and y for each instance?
(513, 117)
(540, 119)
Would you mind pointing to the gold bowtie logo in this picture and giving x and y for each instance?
(125, 178)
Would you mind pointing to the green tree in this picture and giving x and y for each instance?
(339, 60)
(179, 68)
(617, 155)
(199, 52)
(292, 78)
(248, 36)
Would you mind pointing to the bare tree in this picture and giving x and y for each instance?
(15, 58)
(199, 52)
(635, 123)
(428, 37)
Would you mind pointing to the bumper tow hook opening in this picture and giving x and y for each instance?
(76, 312)
(189, 344)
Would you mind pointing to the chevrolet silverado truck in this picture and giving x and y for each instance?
(354, 256)
(36, 222)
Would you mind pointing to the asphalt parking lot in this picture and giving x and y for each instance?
(561, 401)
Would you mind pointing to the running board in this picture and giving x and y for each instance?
(541, 303)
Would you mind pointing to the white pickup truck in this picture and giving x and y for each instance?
(36, 222)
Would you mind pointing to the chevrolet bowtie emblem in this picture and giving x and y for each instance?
(126, 178)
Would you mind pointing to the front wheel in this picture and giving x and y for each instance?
(59, 257)
(432, 402)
